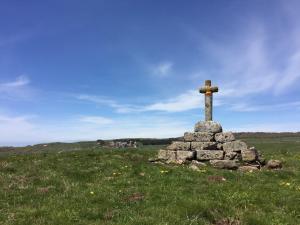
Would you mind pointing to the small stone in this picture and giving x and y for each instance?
(224, 164)
(185, 155)
(224, 137)
(179, 145)
(194, 167)
(249, 155)
(248, 168)
(274, 164)
(197, 163)
(198, 136)
(234, 146)
(153, 159)
(208, 126)
(203, 145)
(209, 154)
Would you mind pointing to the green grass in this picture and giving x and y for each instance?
(103, 186)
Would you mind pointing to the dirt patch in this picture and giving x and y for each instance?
(228, 221)
(135, 197)
(218, 179)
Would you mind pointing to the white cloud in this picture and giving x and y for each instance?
(101, 100)
(162, 69)
(252, 64)
(24, 130)
(268, 127)
(16, 89)
(98, 120)
(245, 107)
(183, 102)
(191, 99)
(20, 81)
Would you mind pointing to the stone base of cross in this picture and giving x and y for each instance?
(208, 90)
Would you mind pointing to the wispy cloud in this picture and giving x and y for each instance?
(22, 130)
(189, 100)
(253, 65)
(15, 38)
(183, 102)
(20, 81)
(102, 100)
(162, 69)
(245, 107)
(19, 88)
(268, 127)
(98, 120)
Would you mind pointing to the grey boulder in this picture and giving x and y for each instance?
(179, 145)
(234, 146)
(209, 154)
(274, 164)
(249, 155)
(248, 168)
(224, 164)
(185, 155)
(198, 136)
(224, 137)
(203, 145)
(208, 126)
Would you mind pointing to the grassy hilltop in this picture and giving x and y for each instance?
(83, 183)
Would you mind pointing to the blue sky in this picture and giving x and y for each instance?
(85, 70)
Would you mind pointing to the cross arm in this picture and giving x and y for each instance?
(208, 89)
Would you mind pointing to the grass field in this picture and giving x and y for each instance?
(103, 186)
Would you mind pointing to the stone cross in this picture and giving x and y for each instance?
(208, 90)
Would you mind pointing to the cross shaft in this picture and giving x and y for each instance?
(208, 90)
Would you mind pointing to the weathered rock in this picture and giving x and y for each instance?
(248, 168)
(194, 167)
(234, 146)
(261, 159)
(208, 126)
(224, 164)
(162, 154)
(230, 155)
(174, 161)
(203, 145)
(274, 164)
(152, 160)
(179, 145)
(197, 163)
(166, 155)
(249, 155)
(209, 154)
(185, 155)
(220, 146)
(224, 137)
(198, 136)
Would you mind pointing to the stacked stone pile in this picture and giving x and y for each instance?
(209, 144)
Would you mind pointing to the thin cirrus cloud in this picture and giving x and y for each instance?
(183, 102)
(163, 69)
(19, 82)
(250, 66)
(17, 89)
(98, 120)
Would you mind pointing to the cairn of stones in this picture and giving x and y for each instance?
(208, 143)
